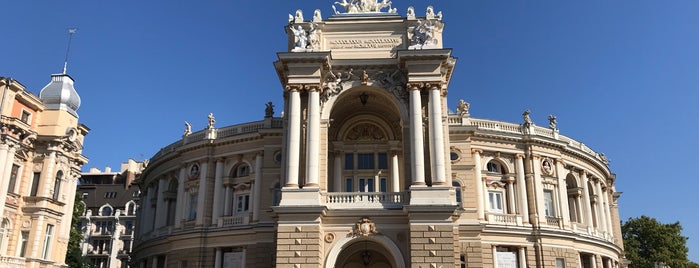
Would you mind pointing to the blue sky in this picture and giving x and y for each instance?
(621, 76)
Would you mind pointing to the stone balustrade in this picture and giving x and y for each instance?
(349, 200)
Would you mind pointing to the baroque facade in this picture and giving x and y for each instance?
(109, 220)
(368, 167)
(40, 160)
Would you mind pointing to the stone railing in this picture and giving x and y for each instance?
(349, 200)
(235, 220)
(507, 127)
(11, 262)
(217, 133)
(554, 222)
(506, 219)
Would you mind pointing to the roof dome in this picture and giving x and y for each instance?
(60, 94)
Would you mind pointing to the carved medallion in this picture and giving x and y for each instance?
(547, 166)
(364, 227)
(329, 237)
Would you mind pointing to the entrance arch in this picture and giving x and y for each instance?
(351, 252)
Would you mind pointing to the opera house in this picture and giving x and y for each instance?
(367, 167)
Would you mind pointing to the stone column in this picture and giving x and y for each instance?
(337, 172)
(294, 138)
(510, 196)
(218, 188)
(522, 188)
(480, 192)
(522, 257)
(38, 231)
(155, 262)
(495, 256)
(257, 188)
(48, 174)
(7, 156)
(313, 138)
(593, 261)
(586, 202)
(148, 220)
(605, 194)
(602, 219)
(217, 261)
(539, 187)
(227, 200)
(395, 176)
(160, 208)
(562, 193)
(436, 136)
(179, 207)
(201, 195)
(416, 140)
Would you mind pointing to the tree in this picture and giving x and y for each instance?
(74, 256)
(647, 241)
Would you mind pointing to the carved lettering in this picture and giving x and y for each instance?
(365, 43)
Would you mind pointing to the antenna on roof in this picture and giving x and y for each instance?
(71, 31)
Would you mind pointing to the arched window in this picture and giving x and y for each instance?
(494, 167)
(57, 185)
(106, 211)
(242, 170)
(574, 193)
(4, 233)
(130, 208)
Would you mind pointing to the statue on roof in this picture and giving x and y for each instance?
(462, 108)
(187, 128)
(211, 121)
(552, 122)
(364, 6)
(300, 38)
(269, 109)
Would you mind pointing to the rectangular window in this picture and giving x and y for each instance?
(242, 203)
(349, 161)
(47, 241)
(371, 185)
(129, 228)
(13, 179)
(25, 116)
(365, 161)
(35, 184)
(560, 263)
(383, 185)
(495, 200)
(193, 198)
(23, 243)
(362, 185)
(548, 203)
(348, 184)
(383, 161)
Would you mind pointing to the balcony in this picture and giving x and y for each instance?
(235, 220)
(554, 222)
(364, 200)
(11, 262)
(505, 219)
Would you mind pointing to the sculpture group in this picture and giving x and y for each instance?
(364, 6)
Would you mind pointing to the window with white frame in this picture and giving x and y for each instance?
(549, 205)
(457, 190)
(242, 170)
(366, 172)
(495, 202)
(106, 211)
(560, 263)
(242, 203)
(4, 233)
(494, 167)
(48, 239)
(24, 237)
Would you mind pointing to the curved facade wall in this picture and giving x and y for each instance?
(367, 168)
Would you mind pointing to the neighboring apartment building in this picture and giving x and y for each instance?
(40, 159)
(110, 214)
(368, 168)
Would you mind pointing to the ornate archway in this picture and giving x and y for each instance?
(365, 251)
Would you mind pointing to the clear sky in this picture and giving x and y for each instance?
(621, 76)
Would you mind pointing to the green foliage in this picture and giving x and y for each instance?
(74, 257)
(647, 241)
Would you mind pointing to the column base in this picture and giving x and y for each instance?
(435, 195)
(294, 197)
